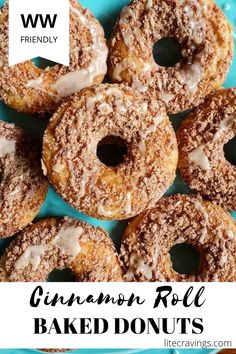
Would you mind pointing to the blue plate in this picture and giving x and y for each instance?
(106, 11)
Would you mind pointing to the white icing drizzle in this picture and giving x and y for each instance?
(31, 256)
(7, 147)
(224, 125)
(146, 73)
(87, 177)
(204, 213)
(191, 75)
(35, 83)
(44, 168)
(196, 25)
(136, 262)
(128, 208)
(92, 100)
(127, 31)
(67, 240)
(200, 207)
(58, 167)
(15, 191)
(144, 106)
(156, 121)
(138, 85)
(104, 108)
(120, 107)
(151, 129)
(72, 174)
(103, 212)
(199, 157)
(149, 4)
(223, 259)
(113, 91)
(166, 97)
(146, 270)
(73, 82)
(142, 147)
(230, 234)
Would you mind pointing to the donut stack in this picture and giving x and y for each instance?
(110, 150)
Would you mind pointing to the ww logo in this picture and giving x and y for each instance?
(39, 29)
(33, 22)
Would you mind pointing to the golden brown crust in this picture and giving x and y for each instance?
(57, 244)
(175, 220)
(70, 152)
(29, 89)
(201, 139)
(23, 187)
(207, 49)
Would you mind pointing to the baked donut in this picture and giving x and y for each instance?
(175, 220)
(58, 244)
(201, 30)
(22, 185)
(201, 139)
(31, 90)
(101, 116)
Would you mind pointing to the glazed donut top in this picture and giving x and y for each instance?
(22, 184)
(70, 152)
(57, 244)
(207, 47)
(175, 220)
(201, 139)
(44, 89)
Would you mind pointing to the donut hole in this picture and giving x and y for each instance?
(42, 63)
(64, 275)
(230, 151)
(112, 150)
(185, 258)
(167, 52)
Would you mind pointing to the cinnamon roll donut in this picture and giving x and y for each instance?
(110, 115)
(201, 138)
(177, 220)
(58, 244)
(23, 187)
(200, 29)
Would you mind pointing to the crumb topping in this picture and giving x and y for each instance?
(175, 220)
(70, 152)
(57, 244)
(203, 33)
(201, 140)
(22, 185)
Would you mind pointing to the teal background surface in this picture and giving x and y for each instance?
(106, 11)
